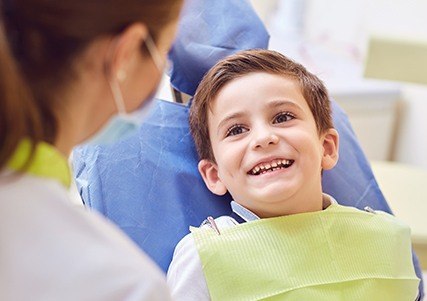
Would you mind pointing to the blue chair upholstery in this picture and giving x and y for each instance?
(209, 31)
(149, 185)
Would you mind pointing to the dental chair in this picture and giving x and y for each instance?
(149, 185)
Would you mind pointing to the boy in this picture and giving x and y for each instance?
(263, 130)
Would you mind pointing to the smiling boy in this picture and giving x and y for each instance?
(263, 129)
(267, 151)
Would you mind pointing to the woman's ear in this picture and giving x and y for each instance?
(330, 149)
(209, 172)
(123, 49)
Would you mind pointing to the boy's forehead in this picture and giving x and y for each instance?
(255, 87)
(248, 83)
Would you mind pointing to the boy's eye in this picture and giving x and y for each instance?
(283, 117)
(236, 130)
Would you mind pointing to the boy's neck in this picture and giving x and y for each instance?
(248, 215)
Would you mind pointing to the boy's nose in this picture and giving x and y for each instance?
(264, 139)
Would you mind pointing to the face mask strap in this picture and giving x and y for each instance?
(154, 52)
(114, 85)
(118, 97)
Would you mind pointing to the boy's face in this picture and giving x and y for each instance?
(268, 153)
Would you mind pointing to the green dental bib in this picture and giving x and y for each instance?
(340, 253)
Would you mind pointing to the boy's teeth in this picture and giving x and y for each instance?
(274, 165)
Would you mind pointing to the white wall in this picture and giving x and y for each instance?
(411, 146)
(352, 22)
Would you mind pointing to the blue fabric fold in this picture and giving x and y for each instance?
(149, 184)
(209, 31)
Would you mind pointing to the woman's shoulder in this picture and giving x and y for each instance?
(67, 247)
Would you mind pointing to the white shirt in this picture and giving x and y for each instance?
(52, 250)
(185, 275)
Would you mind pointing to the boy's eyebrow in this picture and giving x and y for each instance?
(228, 118)
(283, 102)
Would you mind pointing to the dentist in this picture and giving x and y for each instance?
(70, 72)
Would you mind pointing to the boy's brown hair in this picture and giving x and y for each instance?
(243, 63)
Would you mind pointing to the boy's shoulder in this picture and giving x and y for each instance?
(221, 222)
(368, 215)
(338, 208)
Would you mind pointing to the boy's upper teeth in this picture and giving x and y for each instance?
(273, 164)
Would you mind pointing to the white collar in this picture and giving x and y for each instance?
(248, 215)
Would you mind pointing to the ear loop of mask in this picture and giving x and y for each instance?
(118, 97)
(154, 53)
(114, 85)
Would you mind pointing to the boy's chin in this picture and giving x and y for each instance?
(275, 198)
(276, 192)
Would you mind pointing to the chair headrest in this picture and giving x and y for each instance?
(209, 31)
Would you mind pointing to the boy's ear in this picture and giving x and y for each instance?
(209, 172)
(330, 149)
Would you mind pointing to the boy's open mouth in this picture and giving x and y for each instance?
(272, 166)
